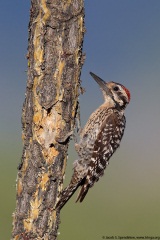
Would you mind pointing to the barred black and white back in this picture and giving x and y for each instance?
(99, 140)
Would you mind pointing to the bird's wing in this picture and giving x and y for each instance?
(107, 141)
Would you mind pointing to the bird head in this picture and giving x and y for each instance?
(116, 92)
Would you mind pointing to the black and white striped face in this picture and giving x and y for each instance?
(120, 94)
(115, 91)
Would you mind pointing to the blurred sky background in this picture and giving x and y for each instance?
(122, 44)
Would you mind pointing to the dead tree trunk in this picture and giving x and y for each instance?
(55, 59)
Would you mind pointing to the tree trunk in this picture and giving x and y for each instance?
(55, 59)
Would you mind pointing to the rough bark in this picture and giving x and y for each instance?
(55, 59)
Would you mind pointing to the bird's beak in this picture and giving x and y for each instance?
(101, 83)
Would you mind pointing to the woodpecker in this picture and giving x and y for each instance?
(99, 139)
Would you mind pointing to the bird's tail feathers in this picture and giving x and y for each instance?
(83, 191)
(66, 195)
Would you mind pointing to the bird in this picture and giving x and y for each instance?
(99, 139)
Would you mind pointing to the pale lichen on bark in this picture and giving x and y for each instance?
(55, 59)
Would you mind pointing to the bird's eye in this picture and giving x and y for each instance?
(116, 88)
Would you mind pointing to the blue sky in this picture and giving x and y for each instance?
(122, 44)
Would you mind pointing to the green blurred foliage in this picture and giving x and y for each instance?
(10, 155)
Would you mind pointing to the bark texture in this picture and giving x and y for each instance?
(55, 59)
